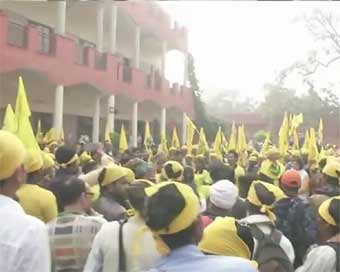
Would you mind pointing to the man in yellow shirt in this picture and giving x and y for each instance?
(35, 200)
(232, 161)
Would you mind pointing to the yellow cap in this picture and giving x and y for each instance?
(33, 161)
(48, 161)
(272, 171)
(254, 199)
(189, 213)
(112, 174)
(324, 211)
(130, 175)
(332, 169)
(221, 238)
(12, 154)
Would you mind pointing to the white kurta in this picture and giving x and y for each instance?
(24, 242)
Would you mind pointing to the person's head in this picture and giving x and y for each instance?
(74, 194)
(329, 218)
(331, 173)
(226, 237)
(113, 181)
(67, 157)
(172, 170)
(12, 156)
(273, 154)
(232, 157)
(223, 196)
(270, 171)
(297, 164)
(96, 152)
(220, 171)
(261, 198)
(172, 213)
(159, 161)
(290, 182)
(136, 194)
(34, 166)
(188, 175)
(189, 160)
(199, 163)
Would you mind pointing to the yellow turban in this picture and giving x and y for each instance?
(12, 154)
(74, 159)
(145, 181)
(324, 211)
(272, 171)
(254, 199)
(332, 169)
(189, 213)
(176, 168)
(33, 161)
(48, 161)
(221, 238)
(273, 152)
(112, 174)
(130, 175)
(85, 157)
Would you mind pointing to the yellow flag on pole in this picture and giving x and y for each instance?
(313, 153)
(175, 141)
(233, 137)
(305, 145)
(218, 144)
(320, 131)
(242, 146)
(283, 135)
(296, 145)
(202, 143)
(10, 122)
(191, 128)
(23, 113)
(163, 146)
(266, 145)
(123, 144)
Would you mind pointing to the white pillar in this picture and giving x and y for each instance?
(96, 121)
(185, 73)
(164, 52)
(134, 122)
(113, 28)
(136, 57)
(58, 109)
(111, 114)
(100, 26)
(163, 121)
(61, 17)
(184, 128)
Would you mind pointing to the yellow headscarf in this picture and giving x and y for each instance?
(85, 157)
(12, 154)
(74, 159)
(175, 166)
(221, 238)
(33, 161)
(48, 161)
(130, 175)
(254, 199)
(270, 170)
(112, 174)
(332, 169)
(324, 211)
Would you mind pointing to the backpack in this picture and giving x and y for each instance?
(336, 247)
(269, 248)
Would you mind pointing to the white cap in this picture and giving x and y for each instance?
(223, 194)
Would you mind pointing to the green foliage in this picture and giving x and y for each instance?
(260, 135)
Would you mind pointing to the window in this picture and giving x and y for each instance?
(17, 34)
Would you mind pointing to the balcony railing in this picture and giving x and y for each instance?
(17, 34)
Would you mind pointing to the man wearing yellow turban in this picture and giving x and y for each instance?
(331, 179)
(35, 200)
(260, 200)
(23, 238)
(113, 203)
(325, 257)
(172, 214)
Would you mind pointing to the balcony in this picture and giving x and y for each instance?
(69, 62)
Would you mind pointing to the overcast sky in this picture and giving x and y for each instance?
(241, 45)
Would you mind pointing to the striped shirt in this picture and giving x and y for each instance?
(71, 236)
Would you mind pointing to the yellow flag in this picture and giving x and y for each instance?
(107, 137)
(175, 141)
(123, 144)
(266, 145)
(296, 140)
(51, 136)
(242, 146)
(22, 114)
(233, 138)
(296, 121)
(313, 153)
(202, 143)
(147, 137)
(320, 131)
(283, 135)
(218, 144)
(163, 146)
(39, 135)
(305, 145)
(10, 122)
(191, 128)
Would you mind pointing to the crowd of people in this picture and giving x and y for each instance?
(88, 208)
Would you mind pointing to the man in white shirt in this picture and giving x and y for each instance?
(23, 238)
